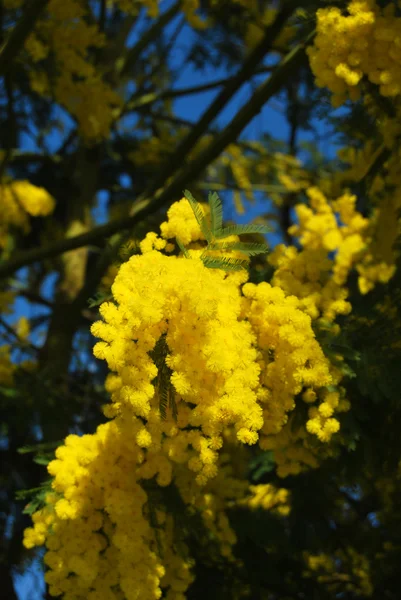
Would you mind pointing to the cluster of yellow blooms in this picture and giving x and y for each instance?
(335, 239)
(99, 538)
(106, 535)
(353, 574)
(232, 357)
(18, 201)
(377, 264)
(362, 42)
(268, 497)
(66, 35)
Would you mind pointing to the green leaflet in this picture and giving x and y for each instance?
(129, 249)
(182, 247)
(216, 213)
(261, 464)
(36, 497)
(39, 447)
(228, 264)
(163, 378)
(44, 453)
(252, 249)
(98, 299)
(240, 229)
(200, 217)
(215, 232)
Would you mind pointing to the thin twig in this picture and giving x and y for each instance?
(151, 98)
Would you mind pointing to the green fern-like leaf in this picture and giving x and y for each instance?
(225, 263)
(240, 229)
(163, 379)
(200, 217)
(36, 497)
(252, 249)
(172, 403)
(98, 299)
(129, 249)
(182, 247)
(216, 213)
(42, 447)
(163, 402)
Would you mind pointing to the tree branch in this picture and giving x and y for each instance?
(85, 239)
(134, 53)
(148, 204)
(238, 123)
(150, 98)
(20, 33)
(231, 87)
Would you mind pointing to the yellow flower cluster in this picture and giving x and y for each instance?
(362, 42)
(311, 275)
(210, 354)
(66, 34)
(97, 523)
(18, 201)
(226, 490)
(292, 452)
(267, 497)
(346, 570)
(313, 282)
(182, 223)
(290, 358)
(200, 360)
(378, 261)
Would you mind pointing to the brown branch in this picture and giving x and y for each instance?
(37, 254)
(134, 53)
(21, 157)
(151, 98)
(20, 33)
(146, 205)
(230, 133)
(225, 95)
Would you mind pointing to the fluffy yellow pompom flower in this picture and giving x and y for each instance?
(210, 351)
(35, 200)
(19, 199)
(362, 42)
(96, 523)
(199, 360)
